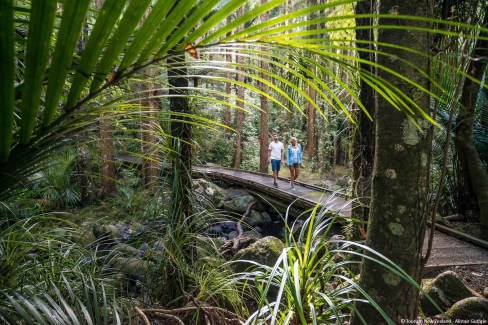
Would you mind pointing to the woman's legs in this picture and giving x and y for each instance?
(292, 175)
(297, 171)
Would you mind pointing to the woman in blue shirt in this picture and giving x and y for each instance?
(294, 160)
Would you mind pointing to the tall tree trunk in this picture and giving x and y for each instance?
(240, 109)
(264, 122)
(399, 193)
(107, 153)
(181, 131)
(228, 89)
(363, 131)
(310, 109)
(150, 126)
(106, 147)
(475, 174)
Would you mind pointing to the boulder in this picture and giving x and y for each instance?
(256, 218)
(86, 236)
(132, 268)
(471, 309)
(264, 251)
(446, 289)
(239, 204)
(208, 194)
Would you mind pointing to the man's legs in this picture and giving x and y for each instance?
(275, 167)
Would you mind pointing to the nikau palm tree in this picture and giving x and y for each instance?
(49, 92)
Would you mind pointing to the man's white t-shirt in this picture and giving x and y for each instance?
(276, 148)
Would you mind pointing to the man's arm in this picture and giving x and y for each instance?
(269, 155)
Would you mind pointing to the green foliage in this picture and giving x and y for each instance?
(56, 184)
(312, 282)
(92, 304)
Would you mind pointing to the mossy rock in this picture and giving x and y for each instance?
(446, 289)
(472, 308)
(256, 218)
(264, 251)
(209, 193)
(133, 268)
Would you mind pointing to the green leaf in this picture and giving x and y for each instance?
(242, 19)
(148, 29)
(40, 30)
(109, 14)
(189, 23)
(118, 41)
(71, 25)
(7, 80)
(173, 19)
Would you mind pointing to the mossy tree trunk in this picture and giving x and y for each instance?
(363, 132)
(400, 174)
(181, 132)
(473, 171)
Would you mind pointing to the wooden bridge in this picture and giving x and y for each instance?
(449, 247)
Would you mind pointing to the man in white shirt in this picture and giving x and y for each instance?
(275, 156)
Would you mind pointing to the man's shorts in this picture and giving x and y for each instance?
(275, 165)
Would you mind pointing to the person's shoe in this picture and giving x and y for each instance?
(275, 184)
(293, 188)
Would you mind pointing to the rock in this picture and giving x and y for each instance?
(256, 218)
(232, 235)
(126, 250)
(470, 309)
(264, 251)
(239, 204)
(485, 292)
(446, 289)
(252, 233)
(209, 195)
(131, 267)
(107, 234)
(86, 235)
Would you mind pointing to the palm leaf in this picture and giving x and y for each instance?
(71, 25)
(7, 80)
(40, 29)
(132, 15)
(101, 31)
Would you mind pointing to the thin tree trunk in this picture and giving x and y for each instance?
(181, 130)
(399, 193)
(310, 109)
(264, 126)
(150, 125)
(228, 89)
(106, 147)
(471, 165)
(240, 109)
(107, 153)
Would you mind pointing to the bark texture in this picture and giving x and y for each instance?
(240, 109)
(181, 130)
(472, 169)
(264, 123)
(399, 191)
(150, 126)
(363, 131)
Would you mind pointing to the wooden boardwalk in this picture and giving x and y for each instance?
(447, 250)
